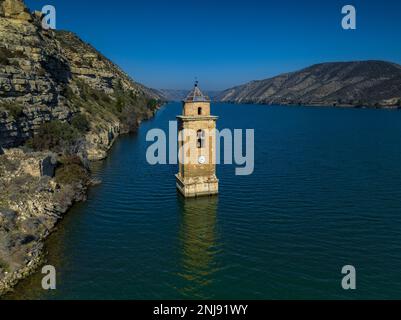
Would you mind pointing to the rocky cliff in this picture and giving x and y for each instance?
(54, 75)
(62, 103)
(362, 83)
(31, 203)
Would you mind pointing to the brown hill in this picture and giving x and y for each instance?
(361, 83)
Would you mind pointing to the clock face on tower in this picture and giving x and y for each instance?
(202, 160)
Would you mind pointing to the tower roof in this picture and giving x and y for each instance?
(196, 95)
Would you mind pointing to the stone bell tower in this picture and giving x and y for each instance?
(197, 145)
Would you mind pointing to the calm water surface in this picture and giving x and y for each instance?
(325, 193)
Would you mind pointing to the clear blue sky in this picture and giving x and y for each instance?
(166, 44)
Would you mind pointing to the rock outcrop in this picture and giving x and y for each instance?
(361, 83)
(52, 80)
(31, 203)
(50, 75)
(14, 9)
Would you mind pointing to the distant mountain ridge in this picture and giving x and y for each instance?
(357, 83)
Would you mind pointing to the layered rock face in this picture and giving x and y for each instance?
(360, 83)
(14, 9)
(52, 80)
(31, 203)
(51, 75)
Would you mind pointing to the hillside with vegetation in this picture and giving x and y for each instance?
(62, 104)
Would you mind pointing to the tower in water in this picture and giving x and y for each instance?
(197, 145)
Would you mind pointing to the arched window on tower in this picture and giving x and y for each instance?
(199, 111)
(200, 139)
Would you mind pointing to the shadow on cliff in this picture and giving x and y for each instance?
(58, 69)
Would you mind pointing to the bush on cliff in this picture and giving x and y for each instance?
(152, 104)
(14, 109)
(81, 123)
(71, 170)
(4, 266)
(6, 54)
(128, 106)
(55, 136)
(88, 93)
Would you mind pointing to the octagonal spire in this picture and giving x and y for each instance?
(196, 95)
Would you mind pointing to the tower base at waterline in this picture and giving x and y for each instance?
(197, 186)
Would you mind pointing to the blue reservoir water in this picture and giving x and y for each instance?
(325, 193)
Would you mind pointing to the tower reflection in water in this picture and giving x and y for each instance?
(200, 245)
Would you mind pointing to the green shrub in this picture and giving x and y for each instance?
(90, 94)
(127, 105)
(54, 135)
(71, 171)
(152, 104)
(41, 72)
(68, 92)
(71, 159)
(120, 104)
(14, 109)
(71, 174)
(4, 265)
(81, 123)
(6, 54)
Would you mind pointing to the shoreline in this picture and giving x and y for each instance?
(383, 107)
(38, 253)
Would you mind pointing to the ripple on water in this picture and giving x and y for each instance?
(321, 196)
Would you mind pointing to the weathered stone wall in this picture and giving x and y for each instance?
(193, 168)
(191, 109)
